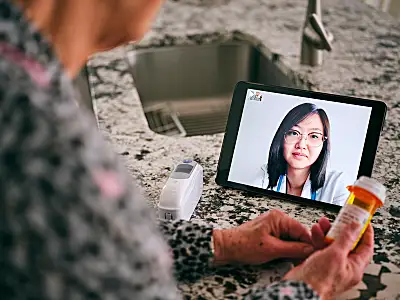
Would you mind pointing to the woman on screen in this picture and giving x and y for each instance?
(298, 157)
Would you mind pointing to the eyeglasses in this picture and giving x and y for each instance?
(314, 139)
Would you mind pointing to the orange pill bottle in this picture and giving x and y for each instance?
(366, 196)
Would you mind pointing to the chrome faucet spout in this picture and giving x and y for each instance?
(315, 38)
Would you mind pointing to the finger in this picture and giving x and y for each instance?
(318, 232)
(347, 237)
(293, 229)
(325, 224)
(363, 254)
(318, 236)
(284, 249)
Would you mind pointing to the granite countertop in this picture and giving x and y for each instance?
(365, 62)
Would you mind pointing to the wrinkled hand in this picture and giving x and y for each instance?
(335, 269)
(318, 232)
(269, 236)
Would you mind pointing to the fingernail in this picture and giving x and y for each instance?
(308, 249)
(354, 230)
(355, 225)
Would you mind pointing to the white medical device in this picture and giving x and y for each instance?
(181, 192)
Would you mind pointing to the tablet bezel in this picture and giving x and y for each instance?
(375, 125)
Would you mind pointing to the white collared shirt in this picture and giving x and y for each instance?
(334, 190)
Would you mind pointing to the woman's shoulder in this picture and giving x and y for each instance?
(335, 176)
(264, 168)
(335, 186)
(260, 177)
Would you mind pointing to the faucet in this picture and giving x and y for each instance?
(315, 38)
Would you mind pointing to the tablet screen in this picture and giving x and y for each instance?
(299, 146)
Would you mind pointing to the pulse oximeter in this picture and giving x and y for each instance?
(182, 191)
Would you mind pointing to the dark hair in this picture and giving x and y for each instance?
(277, 164)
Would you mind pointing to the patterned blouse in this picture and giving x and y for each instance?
(73, 226)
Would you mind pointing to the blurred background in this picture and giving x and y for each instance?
(392, 7)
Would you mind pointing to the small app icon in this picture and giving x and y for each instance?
(255, 96)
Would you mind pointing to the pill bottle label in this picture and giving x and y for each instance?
(348, 214)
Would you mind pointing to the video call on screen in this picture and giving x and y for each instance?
(299, 146)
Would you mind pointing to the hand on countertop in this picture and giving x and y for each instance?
(270, 236)
(335, 269)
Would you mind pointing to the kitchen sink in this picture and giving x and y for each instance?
(187, 90)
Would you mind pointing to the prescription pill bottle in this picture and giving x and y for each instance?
(366, 195)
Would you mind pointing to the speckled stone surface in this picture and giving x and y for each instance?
(365, 62)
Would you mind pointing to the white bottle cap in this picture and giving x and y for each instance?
(373, 186)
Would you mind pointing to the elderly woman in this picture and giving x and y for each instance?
(73, 226)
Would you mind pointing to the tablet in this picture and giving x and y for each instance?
(298, 145)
